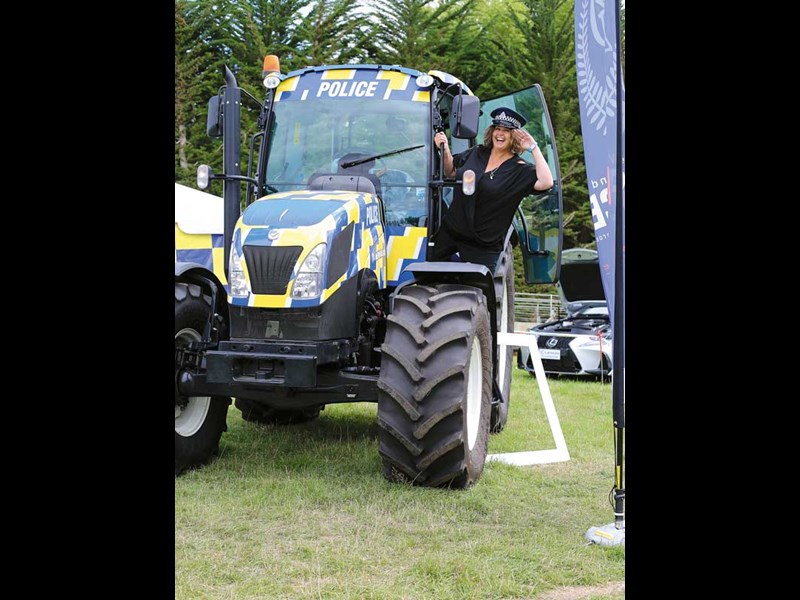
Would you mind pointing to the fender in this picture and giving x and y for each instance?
(457, 272)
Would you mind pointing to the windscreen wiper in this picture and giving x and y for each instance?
(353, 163)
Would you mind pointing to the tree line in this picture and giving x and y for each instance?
(494, 46)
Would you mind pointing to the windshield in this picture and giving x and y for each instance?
(316, 135)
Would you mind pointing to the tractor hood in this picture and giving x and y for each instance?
(580, 279)
(289, 210)
(276, 234)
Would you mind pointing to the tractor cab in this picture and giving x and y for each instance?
(363, 122)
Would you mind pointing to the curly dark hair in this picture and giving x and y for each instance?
(516, 148)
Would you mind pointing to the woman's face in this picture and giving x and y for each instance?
(501, 138)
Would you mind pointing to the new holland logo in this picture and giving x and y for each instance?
(274, 234)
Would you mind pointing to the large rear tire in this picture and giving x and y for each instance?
(258, 413)
(199, 420)
(434, 390)
(504, 311)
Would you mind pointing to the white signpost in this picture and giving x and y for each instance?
(535, 457)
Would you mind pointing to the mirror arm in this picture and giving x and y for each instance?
(234, 178)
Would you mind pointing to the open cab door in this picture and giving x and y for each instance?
(539, 219)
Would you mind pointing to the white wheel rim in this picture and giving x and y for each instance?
(189, 419)
(474, 393)
(501, 380)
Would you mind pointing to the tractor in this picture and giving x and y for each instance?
(314, 287)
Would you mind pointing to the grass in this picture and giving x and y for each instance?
(304, 512)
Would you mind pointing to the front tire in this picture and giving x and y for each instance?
(434, 390)
(504, 293)
(199, 420)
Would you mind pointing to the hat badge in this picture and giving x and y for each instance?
(508, 119)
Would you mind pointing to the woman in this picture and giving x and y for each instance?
(475, 226)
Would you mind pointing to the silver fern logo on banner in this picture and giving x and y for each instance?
(598, 90)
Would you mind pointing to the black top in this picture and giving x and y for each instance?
(484, 217)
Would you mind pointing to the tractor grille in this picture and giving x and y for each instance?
(271, 267)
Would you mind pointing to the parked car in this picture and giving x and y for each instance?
(586, 350)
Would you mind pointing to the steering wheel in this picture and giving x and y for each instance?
(403, 206)
(395, 184)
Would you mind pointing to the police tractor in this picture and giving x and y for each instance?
(313, 288)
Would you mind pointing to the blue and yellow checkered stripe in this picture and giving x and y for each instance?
(367, 247)
(387, 255)
(204, 249)
(405, 245)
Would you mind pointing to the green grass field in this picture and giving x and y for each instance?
(304, 512)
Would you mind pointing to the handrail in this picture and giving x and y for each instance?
(537, 308)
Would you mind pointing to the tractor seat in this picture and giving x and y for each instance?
(367, 183)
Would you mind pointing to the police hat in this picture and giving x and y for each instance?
(505, 117)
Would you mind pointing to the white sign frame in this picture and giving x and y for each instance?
(535, 457)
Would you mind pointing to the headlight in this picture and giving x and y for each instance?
(272, 81)
(204, 176)
(424, 80)
(236, 280)
(308, 283)
(594, 340)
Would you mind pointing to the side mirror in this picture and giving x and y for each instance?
(214, 119)
(464, 116)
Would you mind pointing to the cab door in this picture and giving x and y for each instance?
(539, 219)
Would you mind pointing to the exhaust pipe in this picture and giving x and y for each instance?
(231, 144)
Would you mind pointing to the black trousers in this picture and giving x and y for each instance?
(447, 244)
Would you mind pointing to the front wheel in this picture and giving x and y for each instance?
(504, 293)
(434, 391)
(199, 420)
